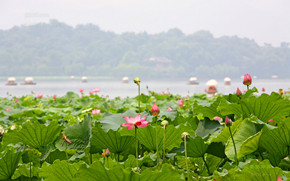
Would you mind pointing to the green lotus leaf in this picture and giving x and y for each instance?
(255, 170)
(98, 172)
(111, 139)
(196, 147)
(245, 130)
(34, 134)
(79, 134)
(147, 137)
(24, 170)
(266, 107)
(276, 141)
(206, 127)
(60, 170)
(210, 111)
(9, 159)
(114, 121)
(227, 108)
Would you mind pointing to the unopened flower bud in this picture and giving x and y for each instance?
(247, 79)
(228, 122)
(180, 103)
(164, 123)
(239, 92)
(107, 152)
(155, 110)
(137, 80)
(184, 135)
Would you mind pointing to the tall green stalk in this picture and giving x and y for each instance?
(185, 151)
(164, 127)
(139, 98)
(236, 156)
(137, 143)
(156, 137)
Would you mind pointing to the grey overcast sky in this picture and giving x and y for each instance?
(265, 21)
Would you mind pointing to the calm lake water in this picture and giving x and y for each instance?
(117, 88)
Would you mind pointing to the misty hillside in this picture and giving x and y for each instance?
(59, 49)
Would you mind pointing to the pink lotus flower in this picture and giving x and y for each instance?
(217, 118)
(96, 111)
(39, 95)
(96, 90)
(16, 100)
(8, 109)
(279, 178)
(239, 92)
(135, 122)
(180, 103)
(81, 90)
(247, 80)
(107, 152)
(54, 96)
(205, 90)
(228, 122)
(155, 110)
(169, 109)
(271, 121)
(263, 89)
(165, 92)
(245, 90)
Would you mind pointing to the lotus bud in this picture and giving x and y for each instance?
(271, 121)
(247, 79)
(184, 135)
(263, 89)
(155, 110)
(137, 80)
(217, 118)
(281, 91)
(164, 123)
(169, 109)
(228, 122)
(279, 178)
(54, 96)
(107, 152)
(39, 95)
(16, 100)
(239, 92)
(81, 90)
(180, 103)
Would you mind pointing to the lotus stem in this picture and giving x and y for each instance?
(186, 162)
(236, 156)
(164, 127)
(139, 98)
(30, 167)
(108, 161)
(66, 150)
(247, 87)
(137, 143)
(156, 141)
(205, 165)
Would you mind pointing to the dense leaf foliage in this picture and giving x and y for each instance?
(59, 139)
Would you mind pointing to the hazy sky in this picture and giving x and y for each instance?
(263, 20)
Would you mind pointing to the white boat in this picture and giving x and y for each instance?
(227, 81)
(125, 79)
(84, 79)
(11, 81)
(28, 81)
(193, 81)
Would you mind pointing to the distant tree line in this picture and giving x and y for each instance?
(56, 49)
